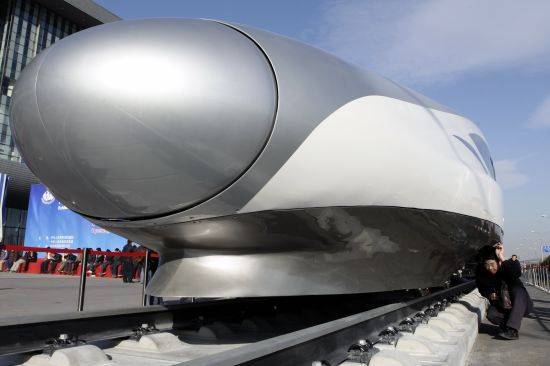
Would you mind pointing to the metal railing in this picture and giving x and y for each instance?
(538, 276)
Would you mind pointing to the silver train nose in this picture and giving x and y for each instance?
(142, 118)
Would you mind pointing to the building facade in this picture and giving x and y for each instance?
(26, 28)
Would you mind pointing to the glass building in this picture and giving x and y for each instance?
(26, 28)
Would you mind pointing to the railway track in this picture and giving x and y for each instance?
(281, 331)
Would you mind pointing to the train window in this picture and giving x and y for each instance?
(484, 151)
(473, 151)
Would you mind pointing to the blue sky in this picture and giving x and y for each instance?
(488, 60)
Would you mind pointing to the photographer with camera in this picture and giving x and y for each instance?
(499, 281)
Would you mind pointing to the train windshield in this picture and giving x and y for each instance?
(485, 154)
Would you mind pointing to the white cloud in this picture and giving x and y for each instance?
(508, 174)
(541, 115)
(422, 42)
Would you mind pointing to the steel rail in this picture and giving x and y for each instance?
(327, 342)
(26, 334)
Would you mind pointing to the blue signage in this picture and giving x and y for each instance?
(51, 224)
(546, 248)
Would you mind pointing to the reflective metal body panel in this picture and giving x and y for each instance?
(188, 136)
(312, 84)
(319, 251)
(146, 117)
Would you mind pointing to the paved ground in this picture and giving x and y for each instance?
(28, 294)
(532, 347)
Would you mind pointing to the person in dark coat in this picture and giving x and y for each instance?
(107, 262)
(127, 263)
(495, 272)
(138, 262)
(91, 261)
(45, 265)
(95, 261)
(153, 266)
(116, 260)
(55, 260)
(77, 261)
(67, 264)
(30, 257)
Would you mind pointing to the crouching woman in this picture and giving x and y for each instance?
(499, 281)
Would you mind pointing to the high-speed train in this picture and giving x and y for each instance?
(254, 164)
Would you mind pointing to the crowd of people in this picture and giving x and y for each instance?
(12, 260)
(119, 264)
